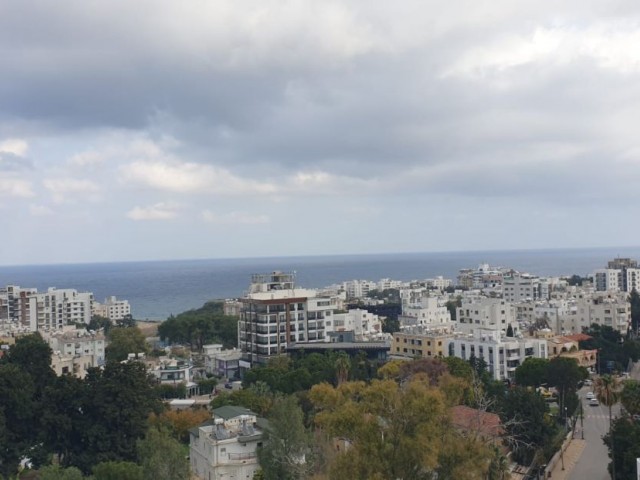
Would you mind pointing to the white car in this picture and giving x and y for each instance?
(594, 402)
(590, 396)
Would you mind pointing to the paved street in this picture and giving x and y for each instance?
(593, 461)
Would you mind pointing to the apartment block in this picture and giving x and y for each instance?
(502, 355)
(275, 314)
(479, 312)
(427, 311)
(113, 309)
(415, 342)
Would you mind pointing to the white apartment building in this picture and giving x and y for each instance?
(113, 309)
(485, 313)
(430, 312)
(226, 447)
(438, 283)
(608, 279)
(56, 308)
(69, 342)
(275, 315)
(502, 355)
(608, 308)
(387, 283)
(519, 287)
(358, 288)
(363, 324)
(621, 275)
(14, 307)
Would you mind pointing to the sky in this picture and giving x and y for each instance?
(149, 129)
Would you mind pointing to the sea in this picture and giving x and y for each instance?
(157, 289)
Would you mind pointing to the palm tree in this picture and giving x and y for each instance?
(342, 366)
(607, 390)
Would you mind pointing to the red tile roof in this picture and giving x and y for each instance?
(485, 423)
(578, 337)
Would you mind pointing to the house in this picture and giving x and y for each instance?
(226, 446)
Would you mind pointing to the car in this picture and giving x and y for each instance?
(588, 382)
(594, 402)
(590, 395)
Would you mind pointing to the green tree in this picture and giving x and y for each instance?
(630, 397)
(33, 355)
(97, 322)
(625, 436)
(607, 390)
(285, 454)
(532, 372)
(452, 306)
(18, 417)
(197, 327)
(118, 471)
(524, 414)
(565, 374)
(122, 397)
(509, 331)
(634, 301)
(56, 472)
(163, 457)
(123, 341)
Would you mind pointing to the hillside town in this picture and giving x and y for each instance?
(491, 316)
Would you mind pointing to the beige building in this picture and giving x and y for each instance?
(419, 342)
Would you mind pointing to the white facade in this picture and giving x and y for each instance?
(14, 306)
(502, 355)
(77, 343)
(519, 287)
(363, 324)
(427, 312)
(358, 288)
(608, 279)
(438, 283)
(113, 309)
(56, 308)
(227, 449)
(485, 313)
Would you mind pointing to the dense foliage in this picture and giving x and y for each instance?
(614, 351)
(83, 422)
(201, 326)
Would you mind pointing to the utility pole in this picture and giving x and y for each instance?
(581, 419)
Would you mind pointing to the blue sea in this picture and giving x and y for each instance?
(158, 289)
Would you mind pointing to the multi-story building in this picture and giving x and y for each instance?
(412, 342)
(621, 275)
(56, 308)
(609, 308)
(518, 287)
(14, 306)
(227, 446)
(502, 355)
(363, 324)
(87, 348)
(358, 288)
(485, 313)
(113, 309)
(438, 283)
(276, 314)
(427, 311)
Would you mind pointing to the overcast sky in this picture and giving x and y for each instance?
(146, 129)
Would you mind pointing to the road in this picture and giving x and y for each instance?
(593, 462)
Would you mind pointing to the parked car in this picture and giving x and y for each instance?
(588, 382)
(594, 402)
(590, 395)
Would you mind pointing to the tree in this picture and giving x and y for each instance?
(630, 397)
(532, 372)
(123, 341)
(452, 306)
(56, 472)
(564, 374)
(342, 365)
(33, 355)
(122, 397)
(524, 414)
(18, 417)
(607, 390)
(634, 301)
(394, 431)
(509, 331)
(118, 471)
(625, 435)
(178, 422)
(98, 322)
(286, 450)
(200, 326)
(162, 457)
